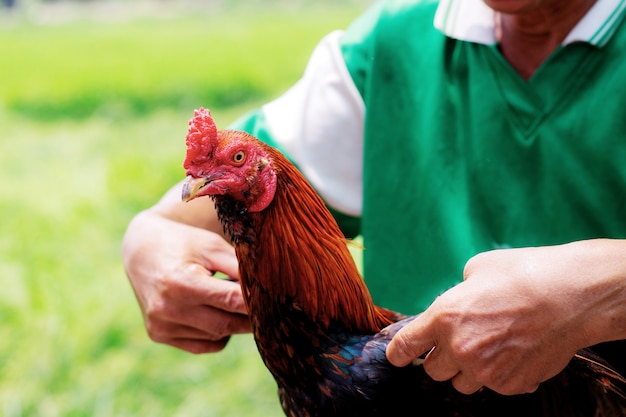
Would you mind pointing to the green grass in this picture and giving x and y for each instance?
(92, 124)
(134, 67)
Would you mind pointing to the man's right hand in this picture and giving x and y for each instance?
(171, 267)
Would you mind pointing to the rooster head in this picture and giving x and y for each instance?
(227, 162)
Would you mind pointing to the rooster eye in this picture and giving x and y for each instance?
(239, 157)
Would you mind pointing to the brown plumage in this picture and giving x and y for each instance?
(314, 321)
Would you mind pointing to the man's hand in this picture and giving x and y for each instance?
(170, 266)
(518, 317)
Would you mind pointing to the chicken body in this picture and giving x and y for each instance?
(314, 321)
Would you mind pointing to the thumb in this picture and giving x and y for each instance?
(225, 261)
(411, 342)
(222, 294)
(216, 255)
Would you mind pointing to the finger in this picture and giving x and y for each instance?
(163, 331)
(222, 294)
(201, 288)
(410, 342)
(532, 389)
(218, 324)
(193, 339)
(223, 259)
(198, 346)
(464, 384)
(438, 366)
(197, 322)
(513, 387)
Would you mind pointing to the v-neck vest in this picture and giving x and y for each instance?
(462, 156)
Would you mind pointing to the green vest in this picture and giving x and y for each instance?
(463, 156)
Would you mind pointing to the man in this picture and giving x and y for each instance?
(488, 149)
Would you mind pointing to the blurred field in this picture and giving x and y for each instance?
(93, 114)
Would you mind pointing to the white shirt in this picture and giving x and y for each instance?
(319, 121)
(474, 21)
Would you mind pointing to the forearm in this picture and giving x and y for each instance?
(520, 315)
(599, 278)
(198, 213)
(158, 220)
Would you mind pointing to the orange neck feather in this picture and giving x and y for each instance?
(303, 258)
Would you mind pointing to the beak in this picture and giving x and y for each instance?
(192, 185)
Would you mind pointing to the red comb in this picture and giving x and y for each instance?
(202, 132)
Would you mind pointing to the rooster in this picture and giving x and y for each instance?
(314, 322)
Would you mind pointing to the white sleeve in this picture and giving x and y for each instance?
(319, 124)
